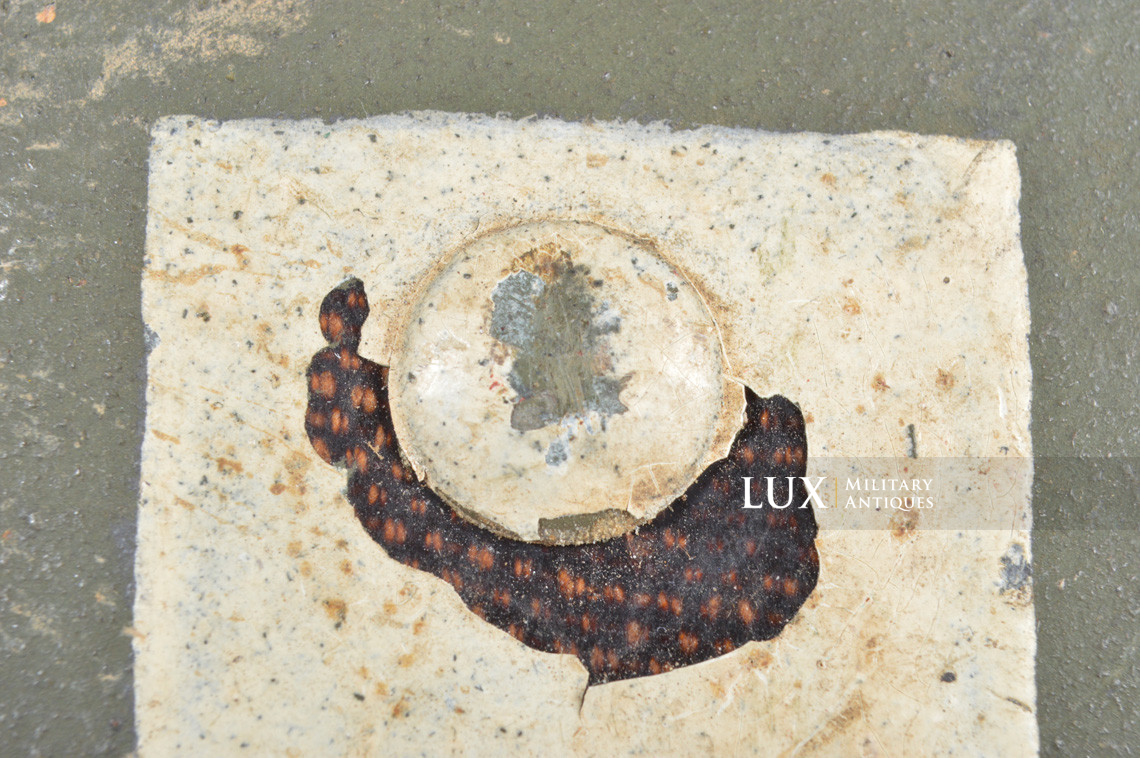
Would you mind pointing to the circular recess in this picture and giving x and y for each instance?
(561, 382)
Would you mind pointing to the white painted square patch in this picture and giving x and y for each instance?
(875, 280)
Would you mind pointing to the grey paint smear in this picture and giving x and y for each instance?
(1016, 571)
(561, 360)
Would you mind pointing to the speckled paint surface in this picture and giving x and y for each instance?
(876, 280)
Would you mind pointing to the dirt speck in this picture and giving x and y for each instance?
(228, 466)
(337, 610)
(1016, 579)
(904, 524)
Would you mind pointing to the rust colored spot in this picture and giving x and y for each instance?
(851, 307)
(596, 160)
(166, 437)
(762, 659)
(642, 600)
(565, 583)
(369, 402)
(688, 642)
(335, 327)
(904, 525)
(336, 609)
(879, 384)
(597, 657)
(612, 660)
(226, 465)
(356, 395)
(635, 633)
(945, 380)
(828, 179)
(481, 557)
(746, 611)
(791, 586)
(373, 494)
(711, 607)
(277, 488)
(346, 567)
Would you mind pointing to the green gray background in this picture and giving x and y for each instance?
(1060, 80)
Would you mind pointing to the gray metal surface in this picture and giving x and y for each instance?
(80, 89)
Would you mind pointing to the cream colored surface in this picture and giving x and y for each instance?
(876, 280)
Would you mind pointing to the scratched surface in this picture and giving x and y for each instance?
(876, 280)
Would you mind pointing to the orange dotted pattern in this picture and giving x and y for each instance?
(702, 579)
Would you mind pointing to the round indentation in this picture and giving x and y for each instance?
(561, 382)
